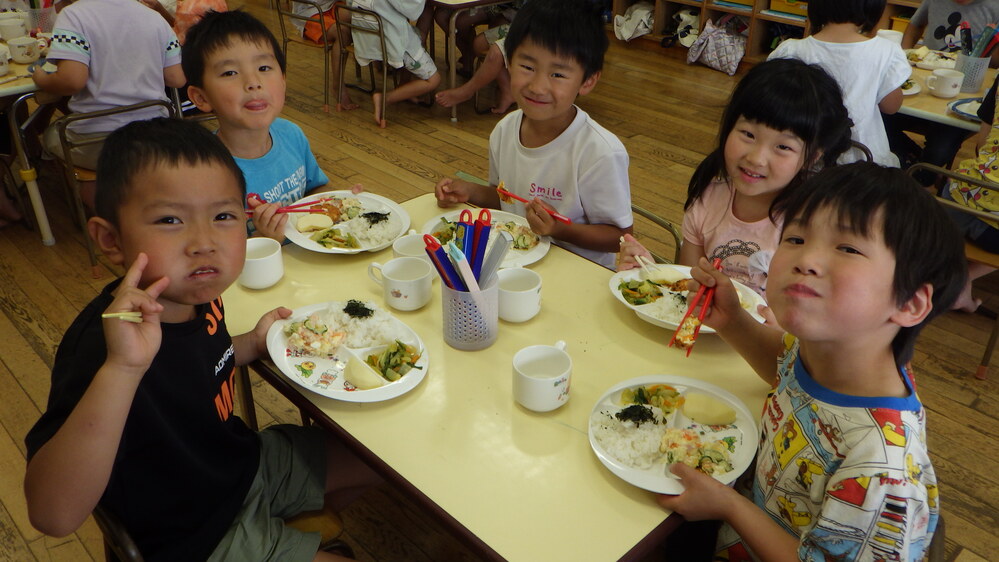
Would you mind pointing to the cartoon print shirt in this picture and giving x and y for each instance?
(942, 19)
(984, 166)
(185, 461)
(848, 475)
(745, 248)
(582, 173)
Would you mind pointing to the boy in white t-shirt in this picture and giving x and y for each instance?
(549, 151)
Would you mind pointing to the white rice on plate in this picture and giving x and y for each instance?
(378, 329)
(635, 447)
(367, 234)
(669, 308)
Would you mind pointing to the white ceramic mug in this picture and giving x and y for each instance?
(944, 82)
(12, 28)
(263, 266)
(24, 50)
(406, 282)
(541, 376)
(411, 245)
(519, 294)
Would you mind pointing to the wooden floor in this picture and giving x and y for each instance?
(665, 113)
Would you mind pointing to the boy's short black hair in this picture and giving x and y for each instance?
(864, 13)
(569, 28)
(141, 145)
(927, 245)
(216, 30)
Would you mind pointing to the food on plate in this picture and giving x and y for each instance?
(635, 445)
(523, 237)
(685, 335)
(362, 376)
(640, 291)
(334, 237)
(662, 396)
(397, 360)
(637, 414)
(685, 446)
(371, 330)
(357, 309)
(916, 55)
(313, 337)
(908, 84)
(444, 231)
(924, 57)
(338, 209)
(706, 409)
(313, 223)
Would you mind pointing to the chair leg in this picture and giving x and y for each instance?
(983, 369)
(73, 190)
(327, 60)
(383, 122)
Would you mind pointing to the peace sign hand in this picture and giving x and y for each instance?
(133, 345)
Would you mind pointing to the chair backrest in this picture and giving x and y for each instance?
(69, 144)
(668, 226)
(287, 15)
(118, 545)
(868, 157)
(357, 20)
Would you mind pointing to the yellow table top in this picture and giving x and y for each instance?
(527, 484)
(21, 85)
(927, 106)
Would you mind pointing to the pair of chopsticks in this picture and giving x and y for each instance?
(647, 265)
(504, 193)
(300, 207)
(133, 316)
(707, 293)
(12, 78)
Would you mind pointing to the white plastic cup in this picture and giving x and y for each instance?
(406, 282)
(411, 245)
(471, 320)
(263, 266)
(519, 294)
(944, 82)
(12, 28)
(541, 376)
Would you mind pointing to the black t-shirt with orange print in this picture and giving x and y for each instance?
(185, 462)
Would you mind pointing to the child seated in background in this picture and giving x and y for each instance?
(853, 288)
(549, 150)
(182, 15)
(468, 43)
(140, 415)
(493, 67)
(404, 46)
(236, 69)
(101, 66)
(937, 22)
(785, 118)
(838, 40)
(313, 31)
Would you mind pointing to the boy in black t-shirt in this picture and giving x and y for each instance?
(140, 414)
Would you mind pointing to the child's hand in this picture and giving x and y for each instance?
(451, 192)
(703, 496)
(725, 305)
(538, 218)
(133, 345)
(356, 188)
(259, 332)
(267, 220)
(630, 250)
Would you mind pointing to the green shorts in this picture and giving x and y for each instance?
(291, 479)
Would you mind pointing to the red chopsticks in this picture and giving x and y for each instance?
(557, 216)
(305, 207)
(708, 293)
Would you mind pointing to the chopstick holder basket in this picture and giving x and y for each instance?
(974, 72)
(471, 321)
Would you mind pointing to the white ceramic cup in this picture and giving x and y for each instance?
(891, 35)
(411, 246)
(944, 82)
(519, 294)
(541, 376)
(406, 282)
(263, 266)
(4, 60)
(12, 28)
(24, 50)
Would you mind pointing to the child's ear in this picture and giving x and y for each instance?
(198, 97)
(915, 309)
(588, 84)
(105, 235)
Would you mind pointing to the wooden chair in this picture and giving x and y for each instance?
(665, 224)
(286, 15)
(350, 20)
(74, 174)
(973, 253)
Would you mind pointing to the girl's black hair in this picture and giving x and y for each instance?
(140, 145)
(569, 28)
(928, 247)
(863, 13)
(785, 95)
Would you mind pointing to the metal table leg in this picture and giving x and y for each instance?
(28, 174)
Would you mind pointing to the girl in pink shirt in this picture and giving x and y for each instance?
(784, 120)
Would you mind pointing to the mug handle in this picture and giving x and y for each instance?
(931, 80)
(371, 272)
(560, 345)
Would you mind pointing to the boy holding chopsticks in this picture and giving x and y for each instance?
(550, 151)
(842, 470)
(140, 416)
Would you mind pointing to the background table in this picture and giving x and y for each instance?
(927, 106)
(516, 484)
